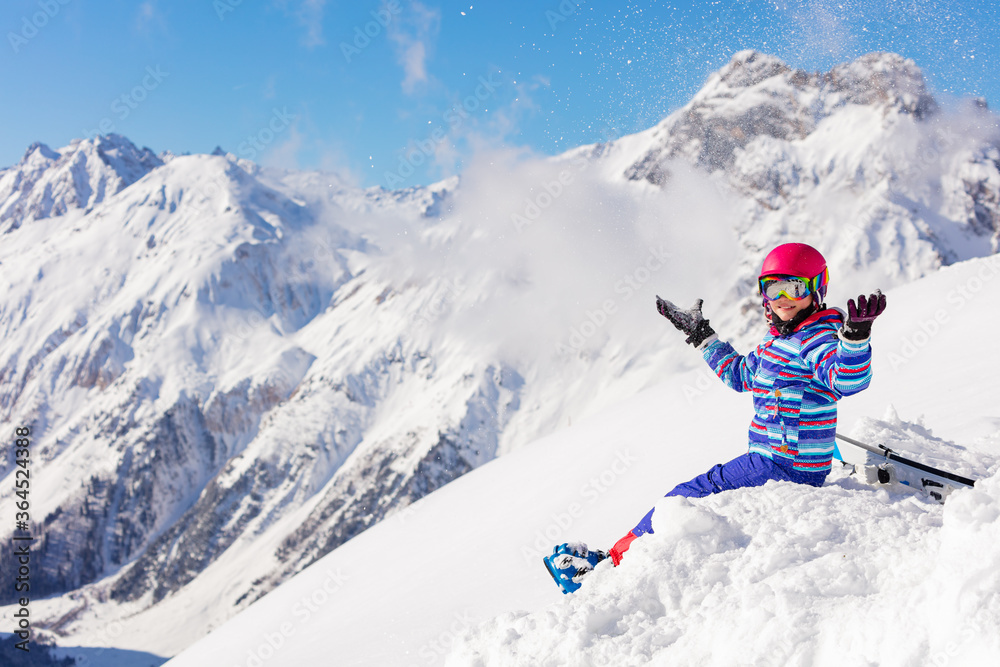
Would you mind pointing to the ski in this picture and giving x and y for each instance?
(883, 465)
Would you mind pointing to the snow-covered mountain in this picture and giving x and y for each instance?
(48, 183)
(230, 371)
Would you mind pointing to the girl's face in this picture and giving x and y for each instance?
(787, 308)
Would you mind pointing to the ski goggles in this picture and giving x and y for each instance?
(792, 287)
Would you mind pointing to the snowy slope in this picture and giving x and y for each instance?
(231, 371)
(782, 575)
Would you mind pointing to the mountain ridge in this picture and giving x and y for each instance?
(48, 183)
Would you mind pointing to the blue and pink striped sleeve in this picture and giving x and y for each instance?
(735, 370)
(842, 366)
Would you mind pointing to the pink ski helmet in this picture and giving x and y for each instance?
(799, 260)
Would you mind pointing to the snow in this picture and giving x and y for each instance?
(844, 574)
(778, 576)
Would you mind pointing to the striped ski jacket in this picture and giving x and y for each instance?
(796, 381)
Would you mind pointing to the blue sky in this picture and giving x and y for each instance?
(401, 93)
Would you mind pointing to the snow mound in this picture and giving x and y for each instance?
(783, 575)
(920, 444)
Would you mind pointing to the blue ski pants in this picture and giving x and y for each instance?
(751, 469)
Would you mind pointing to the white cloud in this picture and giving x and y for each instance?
(300, 149)
(414, 33)
(284, 155)
(309, 14)
(268, 92)
(148, 16)
(548, 245)
(413, 59)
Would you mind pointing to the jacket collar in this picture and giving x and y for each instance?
(816, 316)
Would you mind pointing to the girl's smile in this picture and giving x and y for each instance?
(786, 308)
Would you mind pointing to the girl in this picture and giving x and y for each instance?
(810, 358)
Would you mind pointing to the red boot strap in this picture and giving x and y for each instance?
(621, 546)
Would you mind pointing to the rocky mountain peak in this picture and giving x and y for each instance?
(748, 68)
(38, 151)
(757, 95)
(48, 183)
(885, 79)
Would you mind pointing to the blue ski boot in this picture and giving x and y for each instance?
(570, 563)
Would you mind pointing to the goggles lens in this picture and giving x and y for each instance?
(775, 287)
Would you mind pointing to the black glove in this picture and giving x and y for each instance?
(859, 318)
(690, 321)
